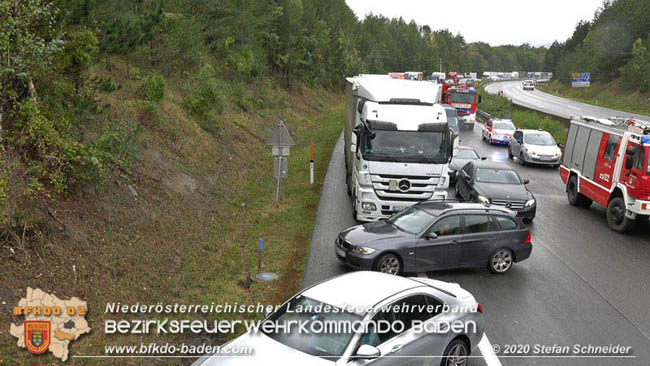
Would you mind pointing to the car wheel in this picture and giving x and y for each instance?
(576, 198)
(457, 191)
(389, 263)
(556, 166)
(510, 156)
(616, 218)
(456, 353)
(501, 261)
(521, 159)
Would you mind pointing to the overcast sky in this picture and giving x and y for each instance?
(496, 22)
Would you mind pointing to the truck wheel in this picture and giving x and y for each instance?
(354, 207)
(616, 218)
(576, 198)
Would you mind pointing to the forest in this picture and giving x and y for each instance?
(614, 44)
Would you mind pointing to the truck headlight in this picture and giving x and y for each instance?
(530, 202)
(362, 250)
(368, 206)
(483, 199)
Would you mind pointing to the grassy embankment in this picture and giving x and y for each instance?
(609, 95)
(522, 118)
(205, 191)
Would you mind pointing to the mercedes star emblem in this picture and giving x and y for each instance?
(404, 185)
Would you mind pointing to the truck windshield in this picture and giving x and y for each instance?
(406, 147)
(461, 98)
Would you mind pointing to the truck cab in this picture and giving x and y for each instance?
(398, 148)
(606, 161)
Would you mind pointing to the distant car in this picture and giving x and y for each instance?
(494, 78)
(461, 156)
(529, 85)
(491, 182)
(535, 147)
(436, 235)
(498, 131)
(363, 304)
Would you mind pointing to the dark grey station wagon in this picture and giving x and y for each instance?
(437, 235)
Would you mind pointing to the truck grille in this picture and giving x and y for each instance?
(420, 188)
(514, 205)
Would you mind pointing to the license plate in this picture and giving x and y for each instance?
(340, 252)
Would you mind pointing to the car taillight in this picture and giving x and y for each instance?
(479, 308)
(529, 238)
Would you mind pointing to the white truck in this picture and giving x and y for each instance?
(398, 145)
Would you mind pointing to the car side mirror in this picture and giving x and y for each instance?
(629, 162)
(368, 352)
(431, 236)
(526, 181)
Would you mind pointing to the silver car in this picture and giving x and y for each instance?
(534, 147)
(442, 324)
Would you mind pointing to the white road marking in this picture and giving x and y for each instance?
(487, 351)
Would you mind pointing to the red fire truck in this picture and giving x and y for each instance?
(605, 160)
(464, 99)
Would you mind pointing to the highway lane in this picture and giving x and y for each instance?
(551, 104)
(584, 284)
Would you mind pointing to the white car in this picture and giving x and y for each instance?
(529, 85)
(535, 147)
(368, 298)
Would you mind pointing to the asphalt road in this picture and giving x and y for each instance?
(551, 104)
(583, 285)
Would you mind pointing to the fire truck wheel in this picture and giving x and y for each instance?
(576, 198)
(616, 218)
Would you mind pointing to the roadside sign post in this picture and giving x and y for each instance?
(311, 163)
(281, 143)
(580, 80)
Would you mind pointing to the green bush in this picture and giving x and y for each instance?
(54, 158)
(205, 96)
(153, 87)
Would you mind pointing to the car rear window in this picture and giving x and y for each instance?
(476, 224)
(506, 223)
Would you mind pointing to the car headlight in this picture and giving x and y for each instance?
(364, 179)
(483, 199)
(368, 206)
(530, 202)
(362, 250)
